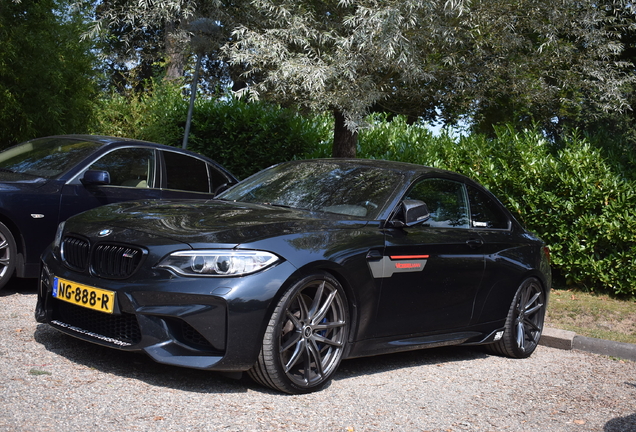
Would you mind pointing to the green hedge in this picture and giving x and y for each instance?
(579, 197)
(247, 137)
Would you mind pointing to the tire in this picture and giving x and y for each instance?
(524, 323)
(8, 255)
(305, 338)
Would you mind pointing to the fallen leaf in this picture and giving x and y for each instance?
(579, 422)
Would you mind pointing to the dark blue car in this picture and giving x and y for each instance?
(46, 180)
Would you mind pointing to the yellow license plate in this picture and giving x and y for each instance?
(84, 295)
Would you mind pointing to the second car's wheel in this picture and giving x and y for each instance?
(305, 338)
(8, 254)
(524, 323)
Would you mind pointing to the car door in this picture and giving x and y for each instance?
(433, 269)
(132, 177)
(186, 177)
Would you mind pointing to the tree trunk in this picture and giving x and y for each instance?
(174, 53)
(344, 141)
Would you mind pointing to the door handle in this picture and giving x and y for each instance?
(374, 255)
(474, 243)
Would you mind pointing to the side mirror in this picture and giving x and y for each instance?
(411, 212)
(95, 178)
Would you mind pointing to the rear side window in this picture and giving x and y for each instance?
(485, 212)
(186, 173)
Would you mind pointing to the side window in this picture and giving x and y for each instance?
(446, 202)
(132, 167)
(484, 212)
(186, 173)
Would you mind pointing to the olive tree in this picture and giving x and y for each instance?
(539, 60)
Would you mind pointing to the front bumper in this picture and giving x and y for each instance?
(202, 323)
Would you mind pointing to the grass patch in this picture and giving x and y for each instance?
(592, 315)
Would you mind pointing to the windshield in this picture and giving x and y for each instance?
(325, 185)
(46, 157)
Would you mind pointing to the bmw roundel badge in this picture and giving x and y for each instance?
(105, 232)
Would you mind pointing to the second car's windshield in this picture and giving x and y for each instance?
(46, 157)
(325, 185)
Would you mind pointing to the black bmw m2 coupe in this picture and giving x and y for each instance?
(298, 267)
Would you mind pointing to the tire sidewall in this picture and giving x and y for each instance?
(12, 255)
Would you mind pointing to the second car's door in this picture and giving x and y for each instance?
(132, 177)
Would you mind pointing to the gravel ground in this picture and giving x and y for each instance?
(52, 382)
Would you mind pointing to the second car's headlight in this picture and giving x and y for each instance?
(57, 241)
(218, 262)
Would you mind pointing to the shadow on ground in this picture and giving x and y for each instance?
(621, 424)
(140, 367)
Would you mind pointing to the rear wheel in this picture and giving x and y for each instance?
(305, 338)
(524, 323)
(8, 254)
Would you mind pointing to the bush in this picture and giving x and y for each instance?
(157, 115)
(245, 137)
(248, 136)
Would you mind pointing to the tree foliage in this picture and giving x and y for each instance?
(46, 73)
(146, 38)
(543, 62)
(522, 60)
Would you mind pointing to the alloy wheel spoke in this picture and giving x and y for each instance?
(296, 356)
(294, 320)
(315, 304)
(313, 353)
(322, 312)
(521, 342)
(328, 325)
(322, 339)
(304, 311)
(293, 340)
(531, 324)
(533, 310)
(528, 304)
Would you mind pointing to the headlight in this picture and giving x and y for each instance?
(218, 262)
(58, 236)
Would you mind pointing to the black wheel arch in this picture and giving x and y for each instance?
(333, 270)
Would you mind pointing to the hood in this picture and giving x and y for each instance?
(14, 181)
(208, 222)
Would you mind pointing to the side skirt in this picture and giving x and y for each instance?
(372, 347)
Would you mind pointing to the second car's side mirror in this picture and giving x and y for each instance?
(411, 213)
(95, 178)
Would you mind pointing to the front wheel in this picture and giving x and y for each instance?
(8, 255)
(305, 338)
(524, 323)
